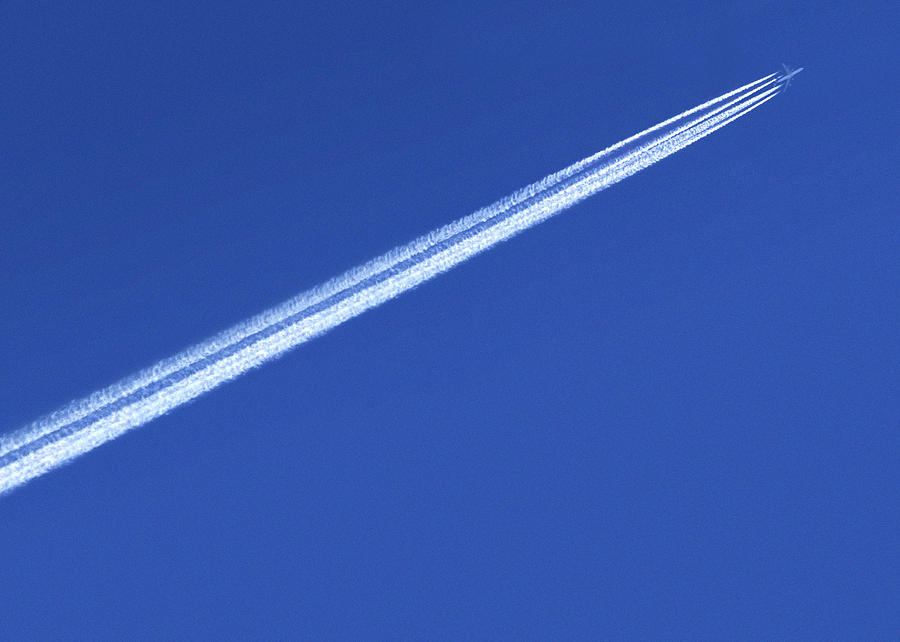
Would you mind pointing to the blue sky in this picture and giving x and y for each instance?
(670, 411)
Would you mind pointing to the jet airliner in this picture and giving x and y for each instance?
(785, 78)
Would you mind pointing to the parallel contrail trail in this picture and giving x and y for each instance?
(85, 424)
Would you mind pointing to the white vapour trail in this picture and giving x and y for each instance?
(106, 396)
(104, 415)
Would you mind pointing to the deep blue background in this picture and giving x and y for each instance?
(671, 411)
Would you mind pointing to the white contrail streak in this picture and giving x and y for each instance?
(166, 367)
(85, 424)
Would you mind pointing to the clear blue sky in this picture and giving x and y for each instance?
(671, 411)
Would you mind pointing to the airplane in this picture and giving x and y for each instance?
(785, 78)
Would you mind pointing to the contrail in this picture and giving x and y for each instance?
(164, 368)
(85, 424)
